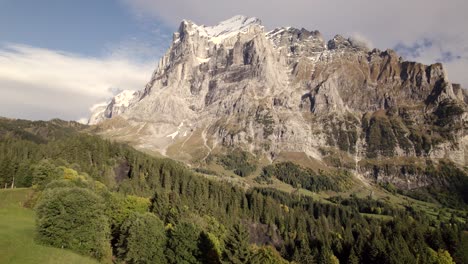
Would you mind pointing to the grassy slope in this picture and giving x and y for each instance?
(17, 243)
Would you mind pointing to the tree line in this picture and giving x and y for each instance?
(160, 211)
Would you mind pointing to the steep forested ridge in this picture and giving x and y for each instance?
(158, 211)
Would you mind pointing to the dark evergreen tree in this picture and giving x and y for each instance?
(160, 204)
(209, 251)
(327, 257)
(353, 258)
(237, 249)
(182, 246)
(142, 239)
(267, 255)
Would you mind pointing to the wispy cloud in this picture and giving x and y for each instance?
(451, 51)
(390, 20)
(414, 49)
(39, 83)
(142, 47)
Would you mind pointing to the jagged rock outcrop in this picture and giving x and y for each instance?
(116, 106)
(288, 90)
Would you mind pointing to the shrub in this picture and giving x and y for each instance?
(239, 161)
(142, 239)
(73, 218)
(300, 177)
(267, 255)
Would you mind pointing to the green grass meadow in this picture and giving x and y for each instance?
(17, 234)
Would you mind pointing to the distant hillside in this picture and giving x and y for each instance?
(38, 131)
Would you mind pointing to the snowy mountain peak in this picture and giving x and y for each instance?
(116, 106)
(225, 29)
(124, 98)
(233, 25)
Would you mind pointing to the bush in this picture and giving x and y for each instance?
(380, 137)
(45, 172)
(446, 111)
(240, 162)
(300, 177)
(267, 255)
(142, 239)
(73, 218)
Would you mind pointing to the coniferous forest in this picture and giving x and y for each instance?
(113, 203)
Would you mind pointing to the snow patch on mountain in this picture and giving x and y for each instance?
(174, 135)
(124, 98)
(226, 29)
(97, 113)
(202, 60)
(114, 107)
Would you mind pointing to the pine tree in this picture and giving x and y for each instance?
(160, 204)
(237, 245)
(182, 246)
(142, 239)
(267, 255)
(23, 175)
(353, 258)
(327, 257)
(440, 257)
(209, 249)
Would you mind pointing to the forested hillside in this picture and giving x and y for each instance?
(113, 203)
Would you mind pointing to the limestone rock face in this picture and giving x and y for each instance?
(289, 90)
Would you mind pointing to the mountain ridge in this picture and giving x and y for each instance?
(287, 90)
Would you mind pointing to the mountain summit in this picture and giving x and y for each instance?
(224, 30)
(289, 93)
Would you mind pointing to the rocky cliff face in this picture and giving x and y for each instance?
(289, 91)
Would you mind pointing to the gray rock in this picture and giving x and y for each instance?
(235, 85)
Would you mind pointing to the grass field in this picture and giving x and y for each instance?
(17, 243)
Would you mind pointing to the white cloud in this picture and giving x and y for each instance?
(83, 120)
(451, 51)
(382, 24)
(457, 70)
(149, 45)
(356, 36)
(391, 20)
(39, 83)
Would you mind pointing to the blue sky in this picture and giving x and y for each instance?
(60, 57)
(87, 27)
